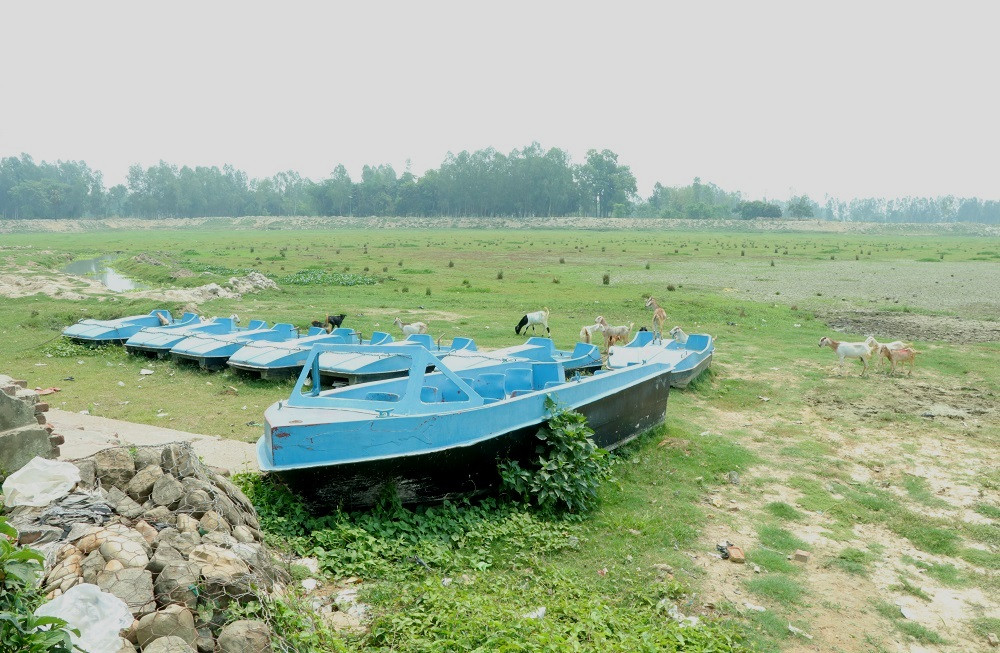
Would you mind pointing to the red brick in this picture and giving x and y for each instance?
(57, 440)
(40, 418)
(41, 407)
(801, 556)
(736, 555)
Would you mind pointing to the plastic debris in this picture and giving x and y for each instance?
(755, 608)
(145, 372)
(535, 614)
(98, 615)
(798, 631)
(40, 482)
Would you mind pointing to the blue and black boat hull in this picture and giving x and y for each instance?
(435, 476)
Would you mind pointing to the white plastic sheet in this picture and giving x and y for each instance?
(98, 615)
(39, 483)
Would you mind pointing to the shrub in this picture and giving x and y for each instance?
(428, 291)
(671, 287)
(569, 468)
(562, 260)
(647, 265)
(451, 264)
(500, 275)
(606, 279)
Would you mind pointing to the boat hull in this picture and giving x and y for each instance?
(683, 377)
(434, 476)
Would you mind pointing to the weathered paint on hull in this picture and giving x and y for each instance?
(349, 378)
(148, 352)
(682, 378)
(209, 363)
(436, 476)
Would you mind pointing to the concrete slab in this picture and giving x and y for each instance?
(88, 434)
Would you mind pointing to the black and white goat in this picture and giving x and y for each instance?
(531, 319)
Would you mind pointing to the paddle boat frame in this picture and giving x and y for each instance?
(117, 331)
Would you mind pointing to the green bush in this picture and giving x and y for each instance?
(569, 468)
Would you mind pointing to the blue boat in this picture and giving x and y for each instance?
(346, 366)
(688, 360)
(101, 332)
(583, 357)
(211, 351)
(158, 341)
(430, 436)
(277, 360)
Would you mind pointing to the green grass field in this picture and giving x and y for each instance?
(891, 504)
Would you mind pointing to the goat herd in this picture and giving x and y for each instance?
(898, 352)
(612, 334)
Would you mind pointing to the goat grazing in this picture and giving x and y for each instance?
(678, 335)
(588, 331)
(659, 317)
(904, 355)
(876, 347)
(849, 350)
(531, 319)
(410, 328)
(332, 322)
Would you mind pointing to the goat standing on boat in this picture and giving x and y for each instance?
(659, 317)
(531, 319)
(410, 329)
(848, 350)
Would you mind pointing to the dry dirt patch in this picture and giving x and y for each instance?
(909, 397)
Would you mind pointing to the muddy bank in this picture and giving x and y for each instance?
(307, 222)
(910, 326)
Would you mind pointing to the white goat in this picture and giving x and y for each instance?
(409, 328)
(531, 319)
(678, 334)
(613, 334)
(848, 350)
(876, 347)
(904, 355)
(588, 331)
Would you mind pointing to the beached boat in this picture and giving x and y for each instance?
(158, 341)
(211, 351)
(688, 360)
(430, 436)
(278, 360)
(100, 332)
(347, 366)
(583, 357)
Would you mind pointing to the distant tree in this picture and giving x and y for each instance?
(801, 207)
(758, 209)
(605, 181)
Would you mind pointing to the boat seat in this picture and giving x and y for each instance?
(428, 394)
(382, 396)
(342, 331)
(552, 384)
(315, 331)
(256, 324)
(596, 372)
(379, 338)
(490, 386)
(463, 343)
(542, 373)
(517, 378)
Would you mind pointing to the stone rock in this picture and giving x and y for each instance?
(167, 490)
(92, 565)
(123, 531)
(115, 467)
(196, 503)
(218, 564)
(205, 643)
(219, 538)
(126, 551)
(213, 521)
(180, 460)
(141, 485)
(165, 555)
(128, 508)
(192, 483)
(88, 472)
(146, 456)
(245, 636)
(171, 621)
(233, 492)
(993, 639)
(187, 523)
(176, 583)
(228, 509)
(168, 645)
(159, 515)
(125, 646)
(113, 565)
(148, 532)
(243, 534)
(183, 542)
(133, 586)
(341, 621)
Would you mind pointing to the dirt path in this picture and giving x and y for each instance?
(87, 434)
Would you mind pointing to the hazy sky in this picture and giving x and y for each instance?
(847, 98)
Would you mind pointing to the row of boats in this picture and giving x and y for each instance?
(425, 421)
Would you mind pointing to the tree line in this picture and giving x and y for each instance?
(530, 182)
